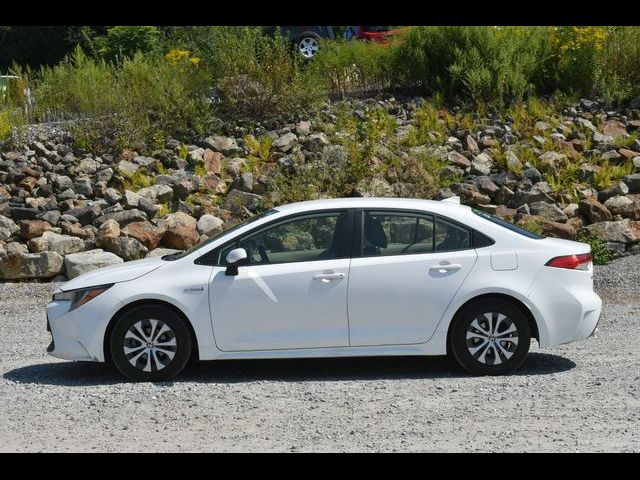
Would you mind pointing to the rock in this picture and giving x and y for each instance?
(532, 174)
(623, 206)
(225, 145)
(560, 230)
(20, 266)
(471, 145)
(127, 168)
(145, 232)
(62, 183)
(33, 228)
(618, 188)
(236, 199)
(127, 248)
(209, 225)
(571, 210)
(108, 232)
(615, 129)
(178, 219)
(161, 252)
(458, 159)
(548, 211)
(470, 195)
(594, 210)
(624, 231)
(156, 193)
(316, 142)
(243, 182)
(130, 199)
(86, 214)
(212, 161)
(8, 228)
(303, 128)
(75, 230)
(285, 142)
(513, 162)
(632, 181)
(83, 186)
(481, 164)
(15, 247)
(553, 160)
(23, 213)
(56, 242)
(181, 238)
(123, 217)
(52, 217)
(78, 263)
(611, 155)
(586, 124)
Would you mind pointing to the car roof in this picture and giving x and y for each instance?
(373, 202)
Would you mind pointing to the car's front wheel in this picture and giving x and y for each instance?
(490, 337)
(308, 46)
(150, 343)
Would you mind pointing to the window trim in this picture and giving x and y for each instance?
(358, 232)
(345, 247)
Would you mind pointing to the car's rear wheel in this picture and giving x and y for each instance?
(150, 343)
(490, 337)
(308, 46)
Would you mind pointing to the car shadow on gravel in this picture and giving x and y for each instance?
(76, 374)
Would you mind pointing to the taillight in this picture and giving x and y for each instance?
(572, 262)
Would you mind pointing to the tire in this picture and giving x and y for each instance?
(307, 45)
(155, 327)
(486, 328)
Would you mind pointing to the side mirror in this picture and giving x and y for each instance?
(234, 259)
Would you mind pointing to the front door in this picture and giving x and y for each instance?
(293, 292)
(411, 267)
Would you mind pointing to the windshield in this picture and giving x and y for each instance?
(507, 225)
(178, 255)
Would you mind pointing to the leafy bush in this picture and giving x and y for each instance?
(125, 41)
(134, 104)
(599, 251)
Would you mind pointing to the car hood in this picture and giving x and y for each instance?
(122, 272)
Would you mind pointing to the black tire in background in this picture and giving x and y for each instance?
(510, 341)
(175, 339)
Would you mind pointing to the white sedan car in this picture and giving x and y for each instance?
(335, 278)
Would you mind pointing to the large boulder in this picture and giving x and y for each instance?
(160, 252)
(225, 145)
(624, 231)
(633, 182)
(178, 219)
(8, 228)
(594, 210)
(127, 248)
(285, 142)
(56, 242)
(145, 232)
(209, 225)
(108, 232)
(623, 206)
(21, 266)
(83, 262)
(33, 228)
(236, 200)
(549, 211)
(481, 164)
(123, 217)
(157, 193)
(181, 238)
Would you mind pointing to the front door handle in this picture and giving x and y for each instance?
(328, 277)
(445, 267)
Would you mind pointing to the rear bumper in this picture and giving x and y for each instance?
(568, 308)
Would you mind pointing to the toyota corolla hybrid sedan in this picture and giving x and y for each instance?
(335, 278)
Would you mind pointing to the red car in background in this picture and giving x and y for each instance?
(378, 34)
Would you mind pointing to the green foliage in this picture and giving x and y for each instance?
(137, 180)
(125, 41)
(165, 209)
(610, 173)
(135, 104)
(599, 251)
(531, 224)
(259, 148)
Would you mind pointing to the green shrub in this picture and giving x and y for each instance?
(125, 41)
(599, 251)
(135, 104)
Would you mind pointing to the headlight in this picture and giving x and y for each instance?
(81, 296)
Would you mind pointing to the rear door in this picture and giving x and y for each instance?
(411, 265)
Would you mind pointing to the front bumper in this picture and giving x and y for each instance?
(79, 334)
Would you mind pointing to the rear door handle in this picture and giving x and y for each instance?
(328, 277)
(446, 267)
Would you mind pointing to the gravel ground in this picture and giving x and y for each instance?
(577, 397)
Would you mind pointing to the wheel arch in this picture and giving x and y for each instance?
(535, 332)
(195, 352)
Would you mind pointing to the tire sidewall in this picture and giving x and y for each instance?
(168, 316)
(299, 40)
(459, 331)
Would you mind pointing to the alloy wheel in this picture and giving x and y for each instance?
(492, 338)
(150, 345)
(308, 47)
